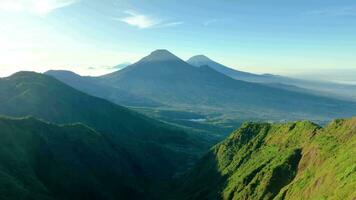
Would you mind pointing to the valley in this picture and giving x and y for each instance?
(79, 146)
(162, 82)
(177, 100)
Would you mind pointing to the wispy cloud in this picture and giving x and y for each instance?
(170, 24)
(139, 20)
(333, 12)
(37, 7)
(143, 21)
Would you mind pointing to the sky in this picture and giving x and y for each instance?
(311, 38)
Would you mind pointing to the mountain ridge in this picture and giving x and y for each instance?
(45, 161)
(175, 82)
(156, 150)
(278, 161)
(333, 90)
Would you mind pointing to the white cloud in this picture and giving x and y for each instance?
(139, 20)
(37, 7)
(145, 21)
(170, 24)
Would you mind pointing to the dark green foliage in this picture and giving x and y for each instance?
(126, 155)
(45, 161)
(281, 161)
(156, 150)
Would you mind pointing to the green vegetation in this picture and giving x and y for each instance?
(110, 152)
(280, 161)
(157, 150)
(44, 161)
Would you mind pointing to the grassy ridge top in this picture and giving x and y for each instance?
(279, 161)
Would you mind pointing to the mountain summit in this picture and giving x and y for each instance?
(166, 79)
(201, 60)
(160, 55)
(198, 60)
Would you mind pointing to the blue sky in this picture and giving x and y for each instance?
(291, 37)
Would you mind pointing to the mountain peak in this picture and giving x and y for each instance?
(25, 74)
(160, 55)
(63, 72)
(199, 58)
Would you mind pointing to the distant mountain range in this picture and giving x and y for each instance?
(201, 60)
(163, 78)
(281, 161)
(316, 87)
(121, 65)
(90, 85)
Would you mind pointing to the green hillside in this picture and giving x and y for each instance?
(281, 161)
(158, 150)
(44, 161)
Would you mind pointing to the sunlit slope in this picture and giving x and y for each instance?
(281, 161)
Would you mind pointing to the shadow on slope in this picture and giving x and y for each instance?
(39, 161)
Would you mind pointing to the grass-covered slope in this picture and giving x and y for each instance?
(158, 150)
(280, 161)
(44, 161)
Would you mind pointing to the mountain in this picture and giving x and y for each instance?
(90, 86)
(121, 65)
(157, 150)
(297, 160)
(317, 87)
(201, 60)
(165, 78)
(44, 161)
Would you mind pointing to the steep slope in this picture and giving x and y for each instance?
(316, 87)
(90, 86)
(165, 78)
(44, 161)
(281, 161)
(158, 150)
